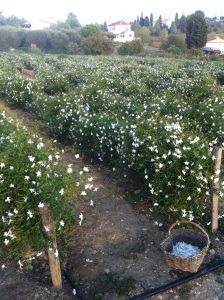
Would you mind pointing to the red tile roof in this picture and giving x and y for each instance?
(118, 23)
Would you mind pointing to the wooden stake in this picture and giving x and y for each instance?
(216, 183)
(53, 255)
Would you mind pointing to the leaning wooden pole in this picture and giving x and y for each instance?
(216, 184)
(53, 255)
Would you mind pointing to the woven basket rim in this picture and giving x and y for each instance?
(191, 263)
(193, 232)
(182, 231)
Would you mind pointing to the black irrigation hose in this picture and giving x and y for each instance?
(74, 287)
(180, 281)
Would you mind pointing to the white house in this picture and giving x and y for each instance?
(216, 44)
(122, 31)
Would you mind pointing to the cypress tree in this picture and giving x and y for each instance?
(142, 20)
(137, 22)
(147, 23)
(182, 24)
(151, 20)
(176, 20)
(196, 31)
(160, 21)
(173, 28)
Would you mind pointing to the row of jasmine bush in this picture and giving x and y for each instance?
(158, 119)
(31, 176)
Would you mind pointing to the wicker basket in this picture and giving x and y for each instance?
(195, 238)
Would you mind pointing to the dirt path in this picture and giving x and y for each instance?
(116, 251)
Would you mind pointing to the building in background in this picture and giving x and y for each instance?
(215, 46)
(122, 31)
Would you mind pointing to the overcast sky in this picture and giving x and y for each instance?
(98, 11)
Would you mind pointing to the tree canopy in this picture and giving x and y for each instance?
(11, 20)
(196, 30)
(72, 21)
(89, 30)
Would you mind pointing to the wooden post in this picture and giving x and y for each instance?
(216, 183)
(53, 255)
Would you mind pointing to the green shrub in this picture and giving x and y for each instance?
(19, 91)
(130, 48)
(158, 119)
(31, 176)
(35, 51)
(174, 50)
(173, 43)
(195, 52)
(73, 48)
(97, 44)
(220, 77)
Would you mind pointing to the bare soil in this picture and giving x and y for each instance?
(116, 251)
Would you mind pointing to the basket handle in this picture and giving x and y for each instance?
(192, 223)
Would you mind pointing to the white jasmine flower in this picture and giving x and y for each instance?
(41, 205)
(184, 213)
(20, 264)
(46, 228)
(91, 203)
(88, 186)
(8, 200)
(56, 253)
(61, 192)
(86, 169)
(29, 214)
(74, 292)
(77, 155)
(6, 241)
(69, 170)
(40, 145)
(62, 223)
(81, 219)
(31, 158)
(160, 166)
(38, 173)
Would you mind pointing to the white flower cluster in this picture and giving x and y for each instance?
(158, 118)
